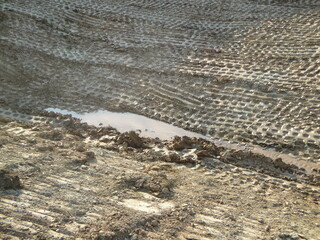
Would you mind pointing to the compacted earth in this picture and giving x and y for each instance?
(239, 71)
(63, 179)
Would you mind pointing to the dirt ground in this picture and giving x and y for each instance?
(236, 70)
(62, 179)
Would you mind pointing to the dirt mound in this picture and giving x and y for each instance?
(131, 139)
(157, 184)
(204, 147)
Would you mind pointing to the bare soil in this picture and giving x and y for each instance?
(83, 182)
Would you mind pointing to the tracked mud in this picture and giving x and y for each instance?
(244, 73)
(235, 70)
(82, 182)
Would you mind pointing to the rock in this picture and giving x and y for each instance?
(48, 158)
(154, 223)
(84, 167)
(9, 180)
(132, 139)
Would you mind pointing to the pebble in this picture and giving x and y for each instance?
(49, 158)
(84, 167)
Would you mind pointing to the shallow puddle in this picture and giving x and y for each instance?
(124, 121)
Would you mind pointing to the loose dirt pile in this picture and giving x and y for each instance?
(62, 179)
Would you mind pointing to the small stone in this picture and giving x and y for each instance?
(154, 223)
(49, 158)
(84, 167)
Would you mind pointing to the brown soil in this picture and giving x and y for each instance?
(83, 182)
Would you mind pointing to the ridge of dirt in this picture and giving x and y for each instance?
(85, 182)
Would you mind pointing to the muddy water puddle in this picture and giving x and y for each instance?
(125, 121)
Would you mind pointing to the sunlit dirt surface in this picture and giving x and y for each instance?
(81, 182)
(240, 70)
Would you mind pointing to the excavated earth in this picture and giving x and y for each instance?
(63, 179)
(242, 71)
(239, 70)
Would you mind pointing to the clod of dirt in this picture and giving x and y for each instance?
(179, 143)
(157, 184)
(55, 135)
(90, 155)
(203, 153)
(205, 148)
(212, 149)
(173, 157)
(80, 147)
(131, 139)
(103, 131)
(9, 180)
(278, 163)
(250, 159)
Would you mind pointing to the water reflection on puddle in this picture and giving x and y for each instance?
(124, 121)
